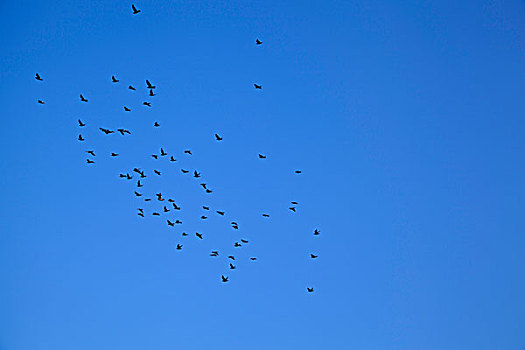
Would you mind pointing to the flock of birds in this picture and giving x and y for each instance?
(164, 208)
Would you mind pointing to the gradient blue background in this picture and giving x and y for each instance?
(406, 117)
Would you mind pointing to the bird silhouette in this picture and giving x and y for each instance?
(203, 185)
(139, 184)
(141, 210)
(113, 154)
(140, 214)
(124, 131)
(91, 152)
(218, 138)
(208, 190)
(41, 102)
(220, 212)
(131, 88)
(292, 209)
(214, 253)
(294, 203)
(156, 214)
(149, 86)
(262, 156)
(258, 42)
(196, 174)
(231, 257)
(106, 131)
(89, 161)
(313, 256)
(151, 93)
(162, 153)
(298, 171)
(127, 109)
(258, 87)
(37, 77)
(237, 244)
(184, 171)
(178, 222)
(135, 11)
(80, 138)
(224, 278)
(172, 224)
(204, 217)
(146, 103)
(176, 207)
(155, 156)
(232, 267)
(114, 80)
(205, 207)
(156, 124)
(165, 209)
(310, 290)
(159, 196)
(198, 235)
(244, 241)
(253, 259)
(80, 123)
(187, 152)
(316, 232)
(137, 194)
(82, 98)
(179, 246)
(184, 234)
(266, 215)
(172, 159)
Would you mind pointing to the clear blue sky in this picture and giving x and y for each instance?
(406, 117)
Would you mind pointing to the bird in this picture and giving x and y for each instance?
(137, 170)
(159, 197)
(196, 174)
(220, 212)
(113, 154)
(37, 77)
(244, 241)
(135, 11)
(137, 194)
(258, 42)
(218, 138)
(41, 102)
(253, 259)
(80, 123)
(156, 214)
(147, 199)
(184, 234)
(204, 217)
(203, 185)
(139, 184)
(258, 87)
(114, 80)
(232, 267)
(106, 131)
(310, 290)
(82, 98)
(146, 103)
(316, 232)
(294, 203)
(155, 156)
(235, 226)
(170, 200)
(156, 124)
(231, 257)
(124, 131)
(178, 222)
(165, 209)
(208, 190)
(140, 214)
(187, 152)
(89, 161)
(214, 253)
(262, 156)
(237, 244)
(148, 85)
(205, 207)
(179, 247)
(170, 223)
(176, 207)
(128, 176)
(141, 210)
(292, 209)
(142, 175)
(80, 138)
(172, 159)
(313, 256)
(198, 235)
(127, 109)
(91, 152)
(224, 279)
(298, 171)
(131, 88)
(162, 153)
(184, 171)
(151, 92)
(266, 215)
(122, 175)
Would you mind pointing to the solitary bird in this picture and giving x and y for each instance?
(139, 184)
(187, 152)
(137, 194)
(91, 152)
(261, 156)
(205, 207)
(82, 98)
(244, 241)
(313, 256)
(148, 85)
(41, 102)
(155, 156)
(196, 174)
(156, 124)
(258, 87)
(89, 161)
(298, 171)
(156, 214)
(184, 171)
(172, 224)
(310, 290)
(80, 123)
(214, 253)
(124, 131)
(127, 109)
(106, 131)
(224, 279)
(198, 235)
(294, 203)
(135, 11)
(220, 212)
(178, 222)
(37, 77)
(131, 88)
(258, 42)
(184, 234)
(80, 138)
(266, 215)
(114, 80)
(316, 232)
(237, 244)
(232, 267)
(179, 246)
(172, 159)
(146, 103)
(162, 153)
(253, 259)
(113, 154)
(204, 217)
(218, 138)
(231, 257)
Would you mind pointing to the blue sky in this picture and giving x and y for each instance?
(406, 118)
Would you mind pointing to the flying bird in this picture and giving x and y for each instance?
(135, 11)
(184, 234)
(224, 279)
(187, 152)
(37, 77)
(41, 102)
(208, 190)
(127, 109)
(162, 153)
(146, 103)
(156, 124)
(262, 156)
(114, 80)
(231, 257)
(196, 174)
(137, 194)
(244, 241)
(155, 156)
(80, 123)
(139, 184)
(91, 152)
(232, 267)
(266, 215)
(316, 232)
(204, 217)
(80, 138)
(294, 203)
(313, 256)
(156, 214)
(113, 154)
(131, 88)
(178, 222)
(172, 224)
(310, 290)
(253, 259)
(203, 185)
(172, 159)
(165, 209)
(179, 246)
(214, 253)
(198, 235)
(184, 171)
(151, 92)
(220, 212)
(140, 214)
(292, 209)
(176, 207)
(89, 161)
(298, 171)
(124, 131)
(205, 208)
(218, 138)
(237, 244)
(106, 131)
(82, 98)
(149, 86)
(258, 42)
(258, 87)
